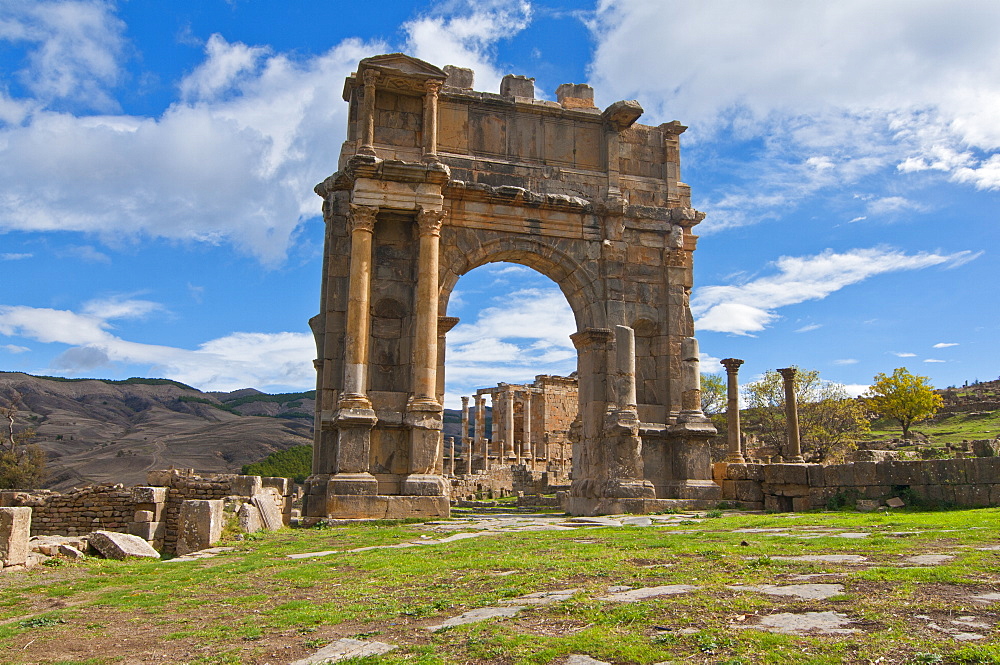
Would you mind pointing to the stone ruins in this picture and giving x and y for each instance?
(436, 179)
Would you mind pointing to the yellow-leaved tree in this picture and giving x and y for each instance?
(903, 397)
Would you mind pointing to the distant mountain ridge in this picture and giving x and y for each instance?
(102, 430)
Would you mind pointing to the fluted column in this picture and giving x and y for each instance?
(793, 447)
(430, 120)
(426, 333)
(370, 77)
(464, 438)
(732, 366)
(362, 227)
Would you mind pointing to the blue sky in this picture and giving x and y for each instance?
(157, 163)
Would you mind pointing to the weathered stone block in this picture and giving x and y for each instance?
(786, 474)
(149, 494)
(817, 475)
(149, 531)
(800, 503)
(866, 473)
(269, 512)
(143, 516)
(245, 485)
(199, 525)
(113, 545)
(745, 472)
(747, 490)
(283, 485)
(15, 530)
(249, 518)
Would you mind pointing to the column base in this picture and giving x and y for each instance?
(340, 506)
(423, 484)
(577, 505)
(353, 484)
(628, 489)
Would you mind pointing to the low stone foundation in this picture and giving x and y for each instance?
(152, 511)
(966, 483)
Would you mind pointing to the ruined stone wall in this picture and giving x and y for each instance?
(151, 512)
(107, 507)
(967, 483)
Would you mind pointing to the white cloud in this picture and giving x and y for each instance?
(73, 53)
(749, 307)
(810, 327)
(934, 360)
(857, 219)
(14, 348)
(463, 33)
(846, 361)
(892, 204)
(900, 87)
(945, 345)
(237, 360)
(234, 162)
(903, 354)
(856, 389)
(85, 253)
(12, 256)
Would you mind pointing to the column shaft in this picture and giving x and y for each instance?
(430, 120)
(508, 423)
(368, 114)
(425, 337)
(464, 438)
(362, 225)
(793, 449)
(732, 366)
(481, 443)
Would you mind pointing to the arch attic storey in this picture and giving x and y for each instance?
(436, 179)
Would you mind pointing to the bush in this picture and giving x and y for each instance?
(294, 463)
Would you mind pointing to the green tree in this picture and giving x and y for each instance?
(903, 397)
(22, 465)
(830, 421)
(294, 463)
(713, 394)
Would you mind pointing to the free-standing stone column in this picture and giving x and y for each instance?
(793, 448)
(362, 225)
(526, 449)
(732, 366)
(496, 445)
(430, 120)
(370, 77)
(481, 442)
(451, 446)
(464, 438)
(508, 422)
(625, 367)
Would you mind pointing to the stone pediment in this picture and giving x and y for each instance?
(402, 64)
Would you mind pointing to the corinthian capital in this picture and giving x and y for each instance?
(429, 221)
(432, 86)
(370, 77)
(362, 218)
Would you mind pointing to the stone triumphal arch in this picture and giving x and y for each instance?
(436, 179)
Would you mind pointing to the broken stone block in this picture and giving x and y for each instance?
(283, 485)
(575, 95)
(113, 545)
(895, 502)
(199, 525)
(142, 494)
(70, 552)
(249, 518)
(269, 511)
(867, 505)
(517, 86)
(150, 531)
(459, 77)
(143, 516)
(15, 530)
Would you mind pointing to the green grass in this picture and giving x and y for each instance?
(222, 609)
(952, 428)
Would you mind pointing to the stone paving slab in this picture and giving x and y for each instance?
(201, 554)
(577, 659)
(634, 595)
(826, 623)
(343, 649)
(542, 597)
(801, 591)
(476, 615)
(825, 558)
(928, 559)
(987, 598)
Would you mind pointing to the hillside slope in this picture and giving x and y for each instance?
(107, 431)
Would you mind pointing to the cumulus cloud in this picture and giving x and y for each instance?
(233, 161)
(903, 87)
(74, 48)
(464, 33)
(750, 307)
(237, 360)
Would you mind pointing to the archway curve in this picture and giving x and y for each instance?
(577, 284)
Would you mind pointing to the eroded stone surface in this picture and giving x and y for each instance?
(647, 592)
(928, 559)
(113, 545)
(343, 649)
(825, 558)
(476, 615)
(542, 597)
(802, 591)
(987, 598)
(577, 659)
(826, 623)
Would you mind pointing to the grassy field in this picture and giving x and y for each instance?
(256, 605)
(953, 428)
